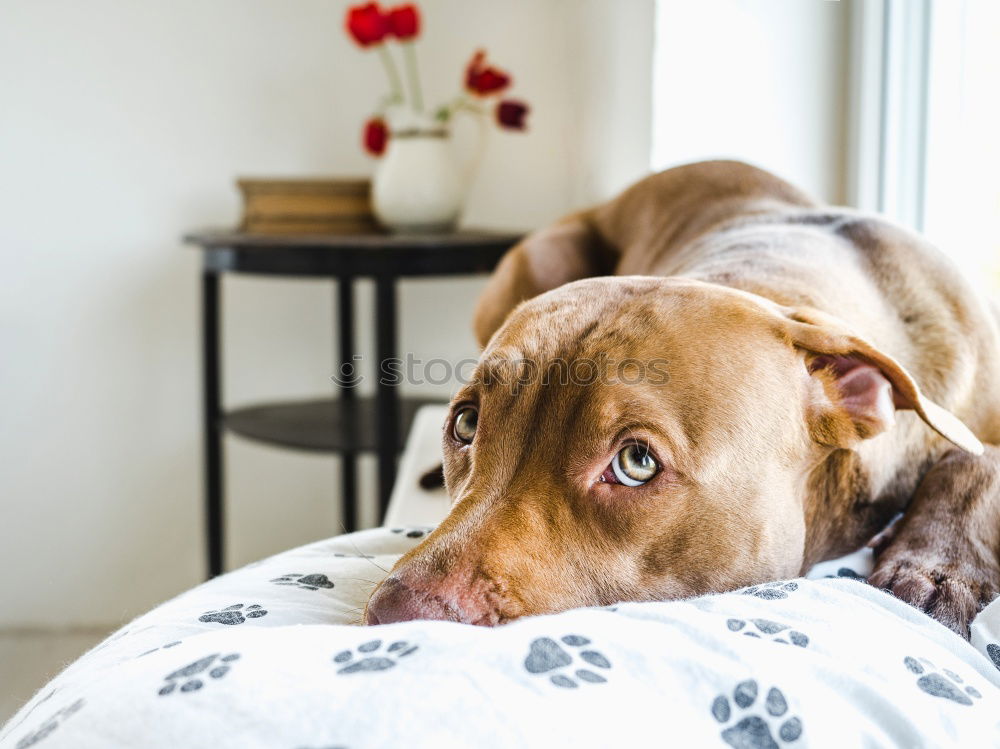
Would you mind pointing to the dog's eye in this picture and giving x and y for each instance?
(634, 465)
(465, 424)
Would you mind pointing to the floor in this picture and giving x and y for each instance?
(29, 658)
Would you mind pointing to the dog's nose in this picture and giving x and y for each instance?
(395, 601)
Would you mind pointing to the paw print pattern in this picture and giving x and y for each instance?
(771, 591)
(341, 555)
(113, 638)
(848, 573)
(947, 686)
(191, 676)
(315, 581)
(774, 630)
(50, 725)
(413, 532)
(173, 644)
(234, 614)
(993, 651)
(370, 658)
(545, 655)
(754, 731)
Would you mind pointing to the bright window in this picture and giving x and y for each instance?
(962, 190)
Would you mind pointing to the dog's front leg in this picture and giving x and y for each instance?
(942, 555)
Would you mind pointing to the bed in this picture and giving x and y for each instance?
(271, 655)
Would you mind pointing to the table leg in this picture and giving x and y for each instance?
(387, 397)
(348, 376)
(212, 385)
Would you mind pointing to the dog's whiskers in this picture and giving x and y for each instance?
(364, 556)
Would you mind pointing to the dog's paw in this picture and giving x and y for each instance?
(948, 589)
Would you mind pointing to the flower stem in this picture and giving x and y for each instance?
(459, 104)
(411, 68)
(395, 84)
(463, 102)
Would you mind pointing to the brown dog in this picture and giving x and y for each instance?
(776, 380)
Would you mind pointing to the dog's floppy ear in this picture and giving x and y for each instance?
(859, 387)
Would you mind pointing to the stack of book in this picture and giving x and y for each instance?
(306, 206)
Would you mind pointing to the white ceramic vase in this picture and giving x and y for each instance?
(419, 185)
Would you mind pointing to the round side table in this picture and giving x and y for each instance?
(346, 425)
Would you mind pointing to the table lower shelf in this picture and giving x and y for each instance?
(319, 425)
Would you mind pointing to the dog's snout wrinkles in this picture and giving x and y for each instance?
(395, 601)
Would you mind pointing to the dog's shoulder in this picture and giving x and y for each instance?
(950, 323)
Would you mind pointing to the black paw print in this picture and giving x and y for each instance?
(775, 630)
(341, 555)
(51, 724)
(315, 581)
(412, 532)
(937, 685)
(771, 591)
(188, 678)
(545, 654)
(234, 614)
(848, 573)
(370, 660)
(754, 731)
(993, 650)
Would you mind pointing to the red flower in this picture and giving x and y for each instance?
(482, 79)
(404, 21)
(367, 24)
(511, 114)
(376, 136)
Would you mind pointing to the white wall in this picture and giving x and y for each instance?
(612, 56)
(758, 80)
(123, 124)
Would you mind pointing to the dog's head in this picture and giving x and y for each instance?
(636, 438)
